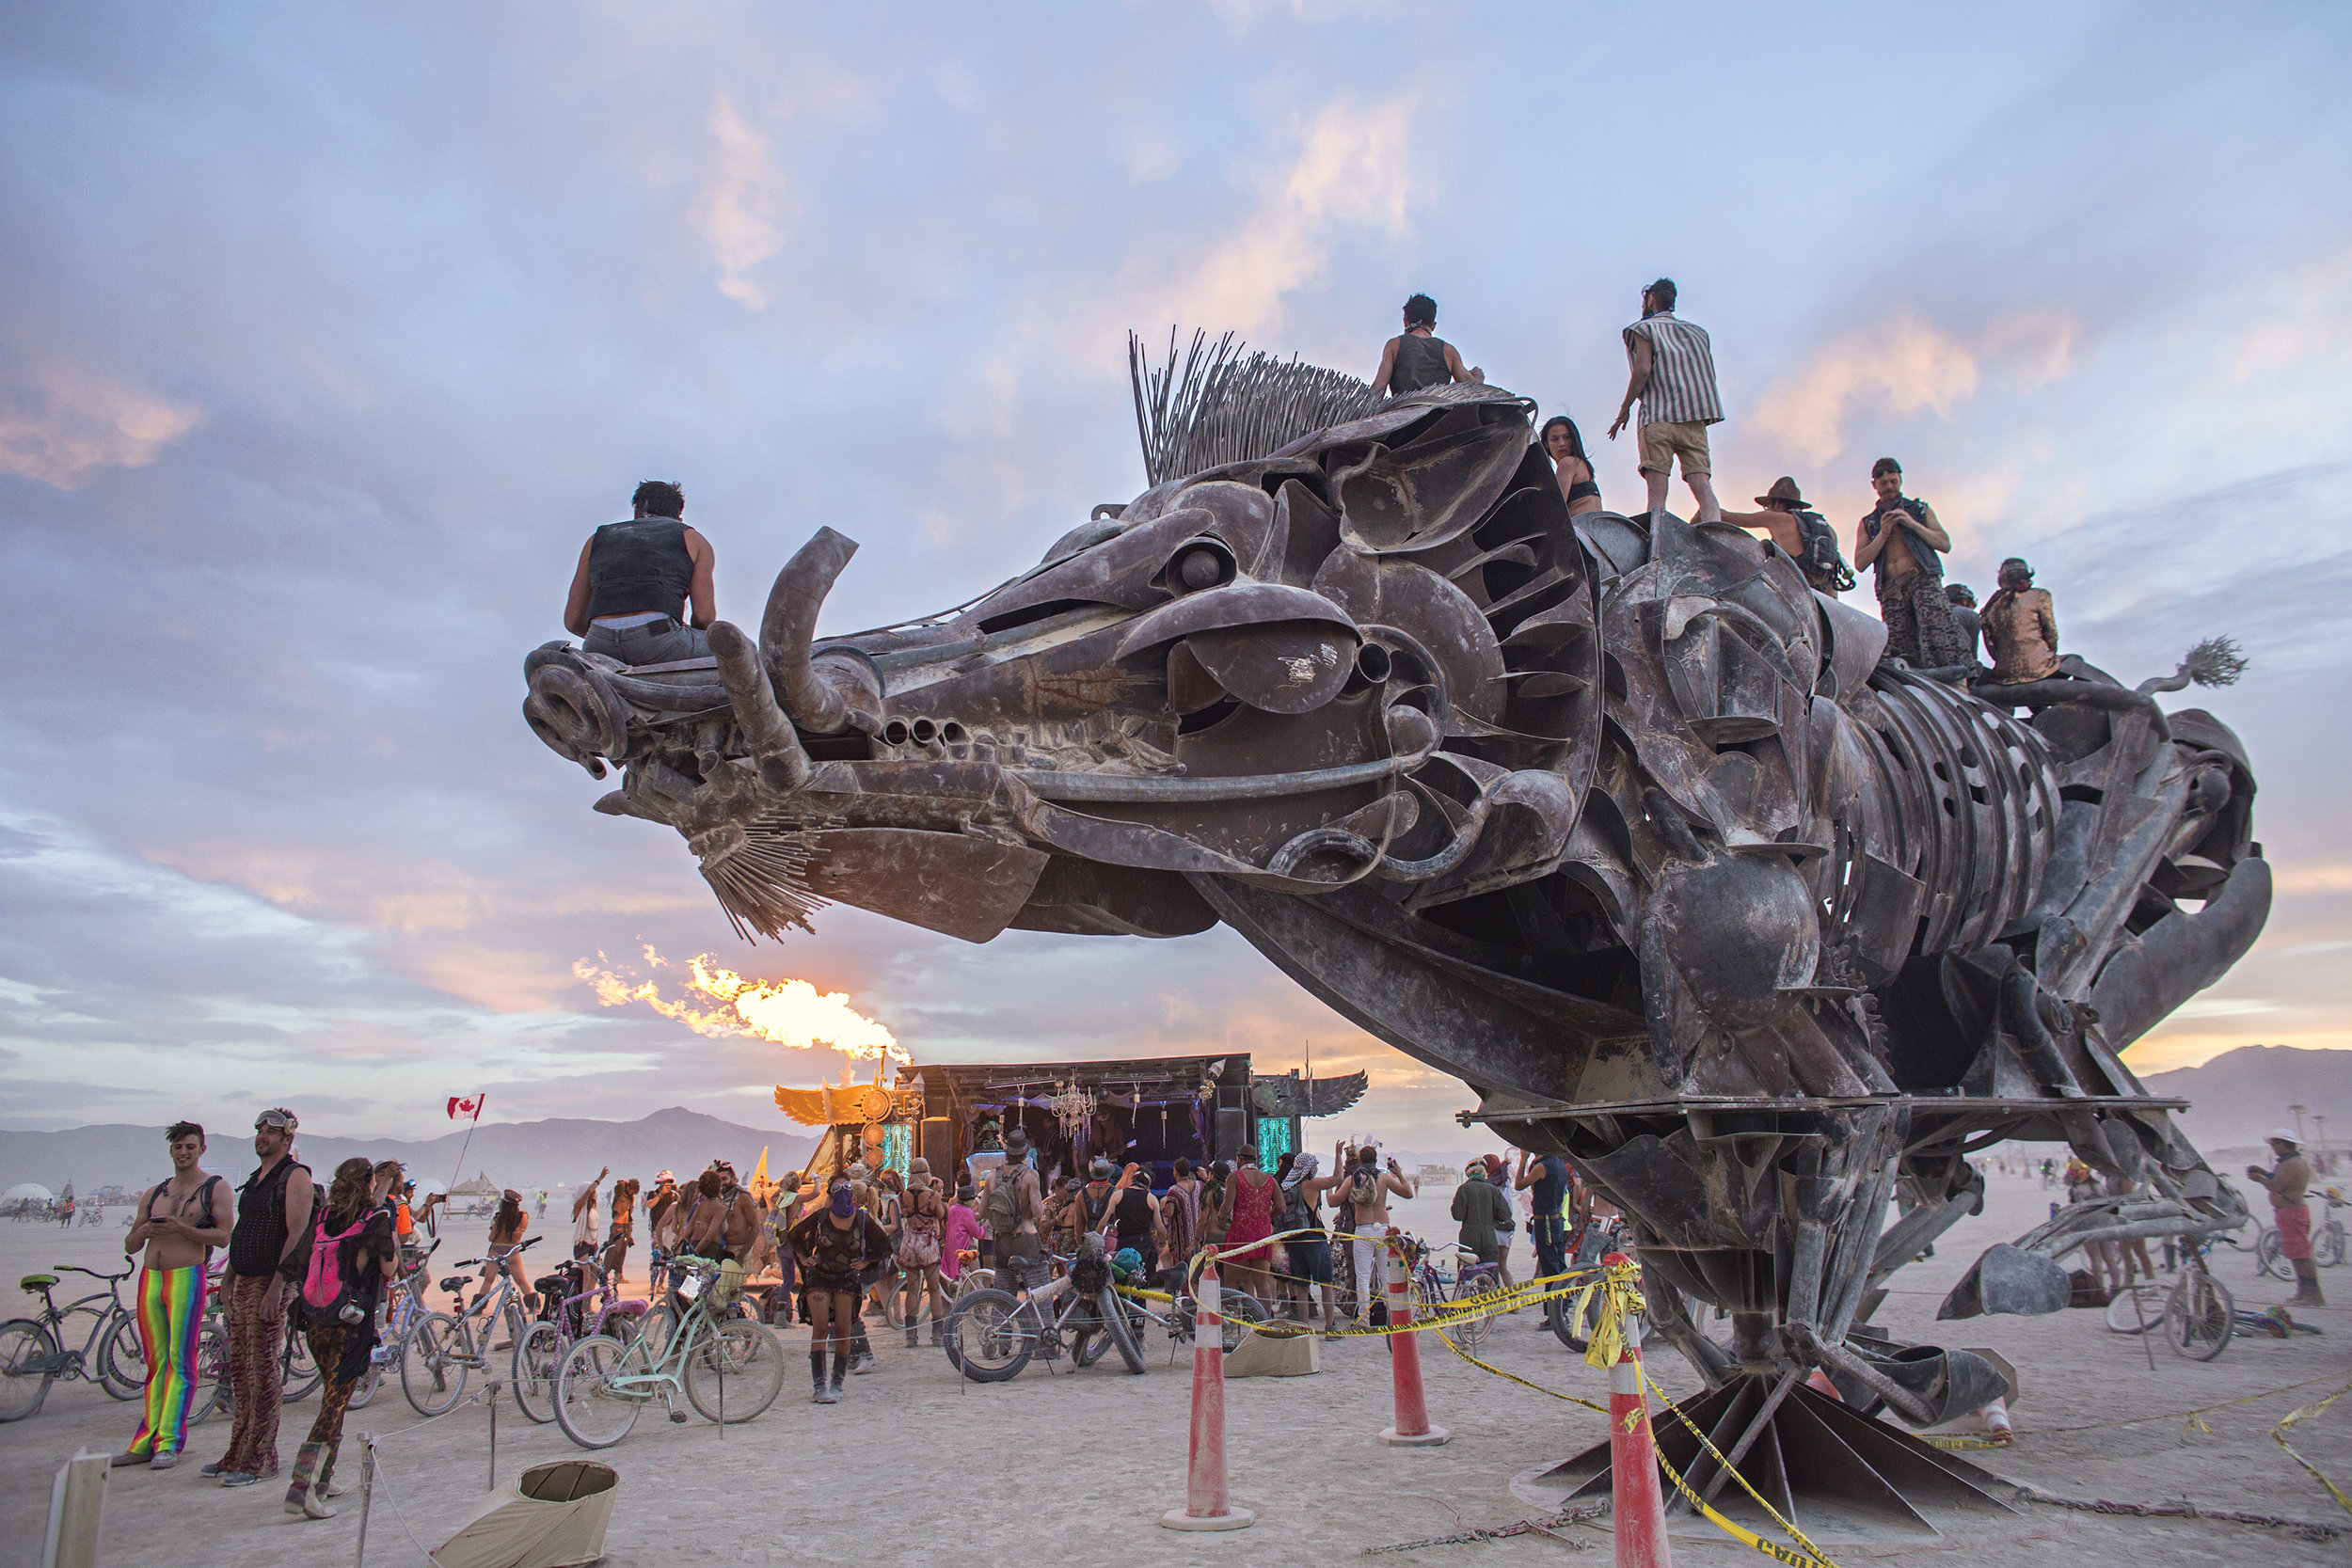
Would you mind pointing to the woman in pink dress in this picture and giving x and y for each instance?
(1253, 1203)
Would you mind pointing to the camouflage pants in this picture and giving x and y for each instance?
(1919, 626)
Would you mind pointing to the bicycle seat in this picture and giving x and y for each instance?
(631, 1308)
(36, 1282)
(454, 1285)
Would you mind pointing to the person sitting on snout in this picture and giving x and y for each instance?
(636, 578)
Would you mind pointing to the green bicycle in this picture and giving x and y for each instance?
(730, 1370)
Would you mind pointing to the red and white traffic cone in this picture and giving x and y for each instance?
(1207, 1504)
(1637, 1508)
(1412, 1429)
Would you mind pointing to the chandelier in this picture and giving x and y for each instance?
(1072, 1106)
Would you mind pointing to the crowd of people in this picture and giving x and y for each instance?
(325, 1252)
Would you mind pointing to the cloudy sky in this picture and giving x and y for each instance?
(328, 332)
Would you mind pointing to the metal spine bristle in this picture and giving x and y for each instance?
(2215, 662)
(762, 883)
(1220, 406)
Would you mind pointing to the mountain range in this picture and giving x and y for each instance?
(2235, 1099)
(2239, 1095)
(557, 1153)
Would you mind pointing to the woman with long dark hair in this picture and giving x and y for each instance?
(359, 1228)
(506, 1238)
(835, 1245)
(1565, 445)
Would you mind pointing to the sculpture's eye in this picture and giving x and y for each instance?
(1200, 563)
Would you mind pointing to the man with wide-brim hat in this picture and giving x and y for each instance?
(2288, 1183)
(1803, 533)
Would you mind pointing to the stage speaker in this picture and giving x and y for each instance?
(936, 1142)
(1232, 1132)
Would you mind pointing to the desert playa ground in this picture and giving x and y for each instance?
(919, 1466)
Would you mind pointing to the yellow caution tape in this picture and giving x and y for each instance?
(1620, 1289)
(1959, 1445)
(2279, 1435)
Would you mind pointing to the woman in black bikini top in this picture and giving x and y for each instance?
(1564, 446)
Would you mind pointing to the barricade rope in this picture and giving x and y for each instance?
(1619, 1289)
(2279, 1435)
(2192, 1420)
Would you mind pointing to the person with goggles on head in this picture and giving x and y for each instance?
(265, 1256)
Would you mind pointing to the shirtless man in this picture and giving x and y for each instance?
(1902, 541)
(1803, 535)
(181, 1222)
(1367, 1189)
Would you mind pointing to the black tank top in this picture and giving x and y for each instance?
(639, 567)
(260, 1235)
(1135, 1217)
(1419, 362)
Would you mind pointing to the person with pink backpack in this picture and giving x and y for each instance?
(351, 1251)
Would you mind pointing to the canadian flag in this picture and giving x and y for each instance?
(470, 1109)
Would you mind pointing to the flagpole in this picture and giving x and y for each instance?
(480, 1101)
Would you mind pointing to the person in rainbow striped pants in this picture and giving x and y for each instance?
(179, 1224)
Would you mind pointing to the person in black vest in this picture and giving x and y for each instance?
(637, 578)
(1418, 357)
(266, 1251)
(1803, 532)
(1902, 541)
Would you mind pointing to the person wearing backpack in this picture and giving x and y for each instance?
(352, 1250)
(1803, 534)
(1012, 1210)
(922, 1236)
(178, 1226)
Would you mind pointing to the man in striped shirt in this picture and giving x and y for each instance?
(1674, 376)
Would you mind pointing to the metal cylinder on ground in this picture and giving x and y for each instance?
(1207, 1503)
(1413, 1428)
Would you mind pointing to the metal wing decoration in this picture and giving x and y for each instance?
(1328, 1097)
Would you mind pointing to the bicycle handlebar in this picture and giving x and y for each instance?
(128, 1270)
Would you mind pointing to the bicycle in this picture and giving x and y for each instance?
(398, 1311)
(441, 1351)
(2196, 1312)
(1571, 1318)
(1431, 1287)
(1238, 1313)
(992, 1334)
(539, 1355)
(32, 1353)
(604, 1383)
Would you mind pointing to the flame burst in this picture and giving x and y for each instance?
(717, 1003)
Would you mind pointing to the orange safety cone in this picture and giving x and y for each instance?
(1207, 1506)
(1412, 1429)
(1637, 1508)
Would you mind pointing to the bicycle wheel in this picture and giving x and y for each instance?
(1083, 1326)
(738, 1369)
(2328, 1245)
(122, 1359)
(363, 1388)
(27, 1351)
(2269, 1259)
(2199, 1318)
(1571, 1320)
(592, 1413)
(433, 1370)
(1485, 1291)
(2135, 1309)
(1119, 1332)
(537, 1355)
(209, 1397)
(298, 1372)
(895, 1307)
(994, 1336)
(1238, 1313)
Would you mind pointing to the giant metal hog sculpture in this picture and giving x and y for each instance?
(1614, 819)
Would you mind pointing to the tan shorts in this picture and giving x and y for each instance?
(1661, 443)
